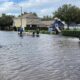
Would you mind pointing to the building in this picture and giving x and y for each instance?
(58, 24)
(32, 21)
(46, 23)
(27, 19)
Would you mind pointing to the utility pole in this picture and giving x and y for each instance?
(21, 15)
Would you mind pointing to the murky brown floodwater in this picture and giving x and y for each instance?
(48, 57)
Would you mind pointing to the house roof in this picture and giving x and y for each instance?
(47, 23)
(28, 15)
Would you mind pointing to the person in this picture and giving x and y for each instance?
(37, 32)
(33, 34)
(21, 31)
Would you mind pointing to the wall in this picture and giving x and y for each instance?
(17, 22)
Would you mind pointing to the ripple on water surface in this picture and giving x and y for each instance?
(48, 57)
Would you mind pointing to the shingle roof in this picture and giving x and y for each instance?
(47, 22)
(29, 15)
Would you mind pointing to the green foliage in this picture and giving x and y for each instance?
(35, 14)
(6, 21)
(68, 13)
(47, 18)
(41, 28)
(72, 33)
(44, 32)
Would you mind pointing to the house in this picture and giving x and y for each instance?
(46, 23)
(32, 21)
(58, 23)
(74, 26)
(27, 20)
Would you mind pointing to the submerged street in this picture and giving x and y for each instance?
(48, 57)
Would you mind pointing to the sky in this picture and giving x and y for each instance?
(41, 7)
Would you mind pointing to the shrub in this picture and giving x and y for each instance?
(15, 28)
(44, 32)
(72, 33)
(41, 28)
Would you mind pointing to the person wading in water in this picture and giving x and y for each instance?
(21, 31)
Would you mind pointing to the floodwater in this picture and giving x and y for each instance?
(48, 57)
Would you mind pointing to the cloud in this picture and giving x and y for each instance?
(4, 0)
(41, 7)
(16, 14)
(46, 11)
(8, 7)
(5, 7)
(36, 3)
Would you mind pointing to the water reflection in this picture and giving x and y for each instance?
(20, 35)
(47, 57)
(79, 43)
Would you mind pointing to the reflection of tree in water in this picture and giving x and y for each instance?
(21, 35)
(0, 46)
(21, 39)
(79, 43)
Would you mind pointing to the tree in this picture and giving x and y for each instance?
(47, 18)
(6, 21)
(34, 14)
(68, 13)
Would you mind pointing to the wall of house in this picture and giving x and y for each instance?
(17, 22)
(33, 21)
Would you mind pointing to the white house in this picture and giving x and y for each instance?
(27, 19)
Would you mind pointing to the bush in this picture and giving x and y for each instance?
(41, 28)
(72, 33)
(44, 32)
(15, 28)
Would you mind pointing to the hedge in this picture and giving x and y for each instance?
(42, 31)
(41, 28)
(72, 33)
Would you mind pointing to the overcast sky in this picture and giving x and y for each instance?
(41, 7)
